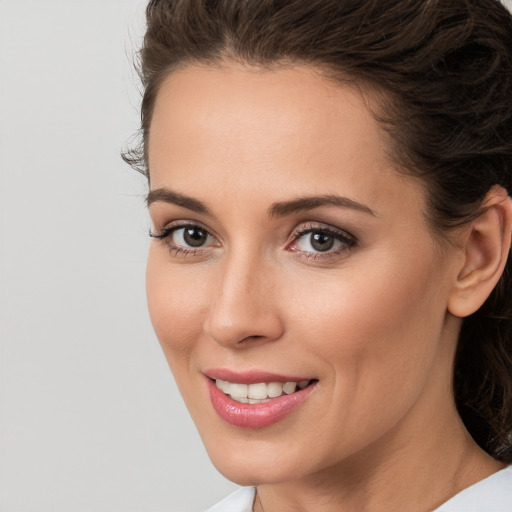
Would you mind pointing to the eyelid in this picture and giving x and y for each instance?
(170, 227)
(310, 227)
(177, 250)
(347, 240)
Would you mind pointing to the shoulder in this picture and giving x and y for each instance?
(239, 501)
(493, 494)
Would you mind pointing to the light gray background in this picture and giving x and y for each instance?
(90, 418)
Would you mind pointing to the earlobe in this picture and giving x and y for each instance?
(486, 248)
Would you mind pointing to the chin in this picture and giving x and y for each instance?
(258, 462)
(245, 472)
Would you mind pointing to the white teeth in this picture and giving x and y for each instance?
(257, 391)
(274, 389)
(238, 390)
(224, 385)
(289, 387)
(260, 392)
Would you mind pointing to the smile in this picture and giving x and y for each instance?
(260, 392)
(256, 401)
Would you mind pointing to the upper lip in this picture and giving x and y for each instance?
(251, 376)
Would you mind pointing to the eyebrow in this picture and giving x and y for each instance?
(311, 202)
(168, 196)
(276, 210)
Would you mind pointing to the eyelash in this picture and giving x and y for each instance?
(346, 240)
(165, 237)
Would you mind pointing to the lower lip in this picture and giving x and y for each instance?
(256, 415)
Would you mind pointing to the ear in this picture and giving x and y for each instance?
(486, 245)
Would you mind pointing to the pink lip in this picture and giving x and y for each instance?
(252, 376)
(256, 415)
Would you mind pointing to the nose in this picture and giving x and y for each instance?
(245, 307)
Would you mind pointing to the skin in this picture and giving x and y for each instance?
(370, 319)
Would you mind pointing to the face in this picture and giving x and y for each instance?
(289, 249)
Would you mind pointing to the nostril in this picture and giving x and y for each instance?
(252, 338)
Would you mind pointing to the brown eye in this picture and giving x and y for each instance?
(321, 242)
(193, 236)
(186, 239)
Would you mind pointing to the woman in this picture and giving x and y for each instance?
(328, 276)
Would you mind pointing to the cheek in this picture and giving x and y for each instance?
(380, 325)
(374, 335)
(367, 308)
(176, 306)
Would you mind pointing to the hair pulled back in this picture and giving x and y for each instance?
(443, 73)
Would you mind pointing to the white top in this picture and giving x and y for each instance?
(493, 494)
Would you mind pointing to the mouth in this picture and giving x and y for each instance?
(256, 400)
(260, 392)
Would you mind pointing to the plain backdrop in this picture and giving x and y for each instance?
(90, 418)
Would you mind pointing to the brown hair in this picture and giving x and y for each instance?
(444, 72)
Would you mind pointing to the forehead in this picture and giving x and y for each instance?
(226, 104)
(284, 130)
